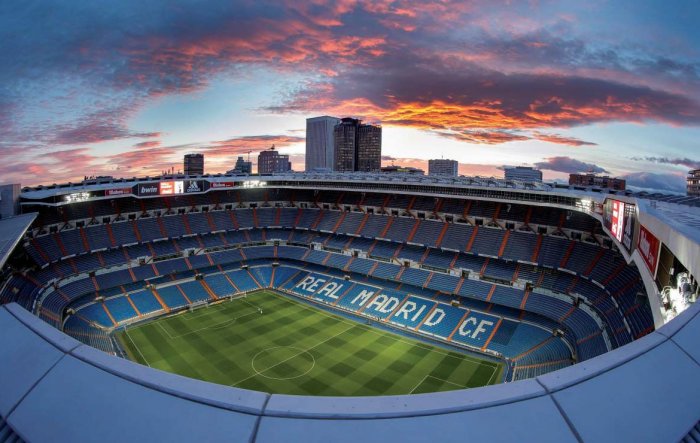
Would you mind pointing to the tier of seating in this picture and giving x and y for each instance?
(461, 260)
(461, 237)
(400, 204)
(488, 267)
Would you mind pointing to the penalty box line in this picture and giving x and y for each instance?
(436, 378)
(215, 326)
(223, 306)
(126, 331)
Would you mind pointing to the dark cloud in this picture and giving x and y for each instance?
(147, 144)
(253, 143)
(496, 137)
(563, 52)
(569, 165)
(686, 162)
(465, 101)
(484, 136)
(562, 140)
(95, 132)
(656, 182)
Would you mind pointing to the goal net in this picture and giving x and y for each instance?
(198, 304)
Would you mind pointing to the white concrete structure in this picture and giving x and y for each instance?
(54, 388)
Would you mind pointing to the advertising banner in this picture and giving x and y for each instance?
(194, 186)
(167, 188)
(118, 191)
(146, 189)
(221, 185)
(648, 246)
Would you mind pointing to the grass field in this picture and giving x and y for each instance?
(293, 348)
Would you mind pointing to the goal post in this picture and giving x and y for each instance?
(198, 304)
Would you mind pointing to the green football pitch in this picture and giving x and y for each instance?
(273, 343)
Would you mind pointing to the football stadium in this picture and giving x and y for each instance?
(325, 307)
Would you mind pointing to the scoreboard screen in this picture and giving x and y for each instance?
(621, 218)
(617, 221)
(172, 188)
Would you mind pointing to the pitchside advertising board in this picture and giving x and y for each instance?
(620, 218)
(118, 191)
(173, 187)
(648, 246)
(222, 185)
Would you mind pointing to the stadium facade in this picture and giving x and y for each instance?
(570, 288)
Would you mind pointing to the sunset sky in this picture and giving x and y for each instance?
(126, 88)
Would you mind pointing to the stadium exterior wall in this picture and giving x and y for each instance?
(57, 389)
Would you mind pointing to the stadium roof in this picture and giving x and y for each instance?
(11, 232)
(683, 219)
(40, 192)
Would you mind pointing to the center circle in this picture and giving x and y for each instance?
(283, 362)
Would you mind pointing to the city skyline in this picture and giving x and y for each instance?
(127, 90)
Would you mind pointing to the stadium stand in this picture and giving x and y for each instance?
(416, 255)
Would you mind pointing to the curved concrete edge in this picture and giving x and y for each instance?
(402, 405)
(648, 390)
(26, 359)
(63, 342)
(234, 399)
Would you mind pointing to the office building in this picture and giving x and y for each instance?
(242, 167)
(319, 143)
(9, 199)
(368, 157)
(345, 145)
(694, 182)
(442, 166)
(617, 184)
(522, 173)
(194, 164)
(357, 146)
(271, 161)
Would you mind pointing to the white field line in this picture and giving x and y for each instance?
(215, 326)
(416, 386)
(436, 378)
(492, 374)
(447, 381)
(137, 348)
(293, 356)
(204, 313)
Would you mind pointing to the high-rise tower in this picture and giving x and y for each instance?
(319, 142)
